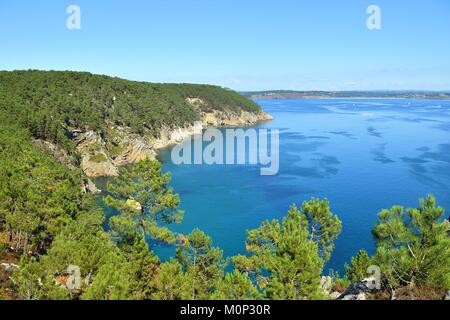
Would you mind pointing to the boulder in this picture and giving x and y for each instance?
(89, 186)
(134, 206)
(335, 295)
(447, 296)
(372, 283)
(9, 266)
(357, 291)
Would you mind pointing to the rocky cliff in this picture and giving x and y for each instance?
(101, 156)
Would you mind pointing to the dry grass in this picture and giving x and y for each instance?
(5, 282)
(419, 293)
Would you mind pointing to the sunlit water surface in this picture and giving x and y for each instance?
(362, 154)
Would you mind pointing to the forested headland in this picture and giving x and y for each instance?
(53, 244)
(48, 103)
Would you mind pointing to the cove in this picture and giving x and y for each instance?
(362, 154)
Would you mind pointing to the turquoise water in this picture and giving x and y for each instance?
(362, 154)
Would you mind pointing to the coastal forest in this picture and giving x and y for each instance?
(54, 243)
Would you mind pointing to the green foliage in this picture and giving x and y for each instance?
(324, 227)
(34, 282)
(37, 196)
(287, 259)
(357, 270)
(195, 275)
(413, 245)
(82, 243)
(144, 201)
(45, 216)
(49, 103)
(4, 295)
(236, 286)
(112, 282)
(100, 157)
(340, 284)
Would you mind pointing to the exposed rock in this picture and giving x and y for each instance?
(135, 151)
(98, 169)
(62, 281)
(197, 103)
(325, 284)
(72, 129)
(173, 136)
(218, 118)
(393, 295)
(334, 295)
(447, 296)
(245, 118)
(102, 155)
(134, 205)
(132, 147)
(9, 266)
(361, 296)
(214, 119)
(356, 291)
(95, 160)
(89, 186)
(92, 187)
(371, 283)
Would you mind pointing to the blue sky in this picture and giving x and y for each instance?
(244, 45)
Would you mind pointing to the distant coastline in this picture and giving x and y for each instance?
(288, 94)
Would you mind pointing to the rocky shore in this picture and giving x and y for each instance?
(102, 155)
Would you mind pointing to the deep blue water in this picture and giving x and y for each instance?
(362, 154)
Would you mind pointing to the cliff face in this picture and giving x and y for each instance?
(245, 118)
(101, 156)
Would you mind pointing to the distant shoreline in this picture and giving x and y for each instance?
(280, 94)
(346, 98)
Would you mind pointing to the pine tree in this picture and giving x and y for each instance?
(285, 258)
(236, 286)
(413, 246)
(324, 227)
(143, 267)
(357, 270)
(202, 263)
(144, 202)
(171, 283)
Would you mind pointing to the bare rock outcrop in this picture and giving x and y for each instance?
(95, 160)
(89, 187)
(101, 155)
(357, 291)
(130, 147)
(172, 136)
(245, 118)
(447, 296)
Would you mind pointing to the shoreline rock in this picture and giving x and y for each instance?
(100, 154)
(358, 290)
(97, 160)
